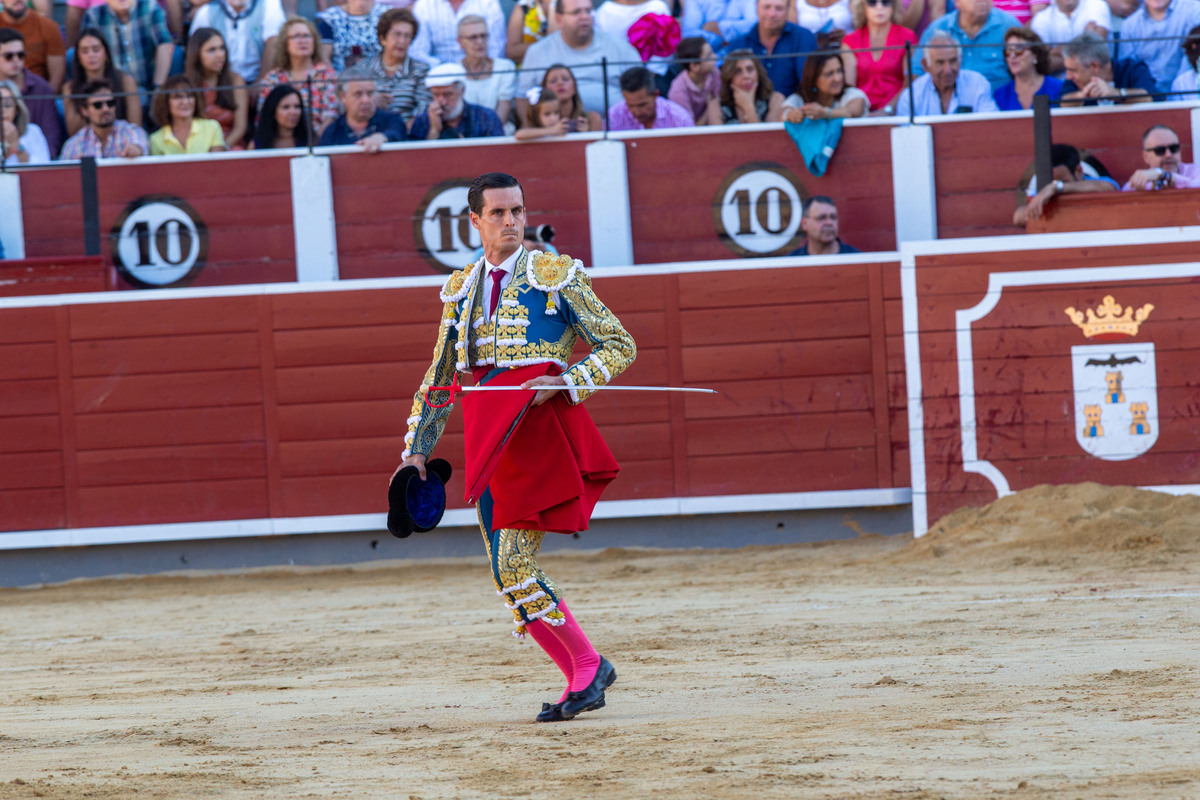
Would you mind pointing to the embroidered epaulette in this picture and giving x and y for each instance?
(550, 273)
(458, 284)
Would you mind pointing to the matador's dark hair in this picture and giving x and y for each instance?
(489, 180)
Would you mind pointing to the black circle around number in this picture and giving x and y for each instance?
(158, 238)
(462, 222)
(719, 204)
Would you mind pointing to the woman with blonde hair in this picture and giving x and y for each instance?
(747, 94)
(296, 61)
(876, 60)
(24, 142)
(226, 100)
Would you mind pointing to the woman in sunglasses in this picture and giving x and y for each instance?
(94, 62)
(24, 142)
(875, 57)
(1028, 60)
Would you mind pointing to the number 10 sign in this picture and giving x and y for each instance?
(442, 227)
(757, 210)
(159, 241)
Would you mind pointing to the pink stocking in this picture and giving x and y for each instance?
(541, 633)
(584, 658)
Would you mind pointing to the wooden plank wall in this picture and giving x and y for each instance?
(674, 185)
(1024, 396)
(52, 212)
(287, 405)
(376, 199)
(1112, 211)
(55, 275)
(246, 206)
(978, 162)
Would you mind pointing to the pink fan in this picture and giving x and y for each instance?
(655, 35)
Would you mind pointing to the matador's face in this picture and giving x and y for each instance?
(501, 223)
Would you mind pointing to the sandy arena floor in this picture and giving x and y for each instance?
(1046, 646)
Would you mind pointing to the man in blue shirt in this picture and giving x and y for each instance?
(1093, 78)
(946, 87)
(718, 21)
(979, 29)
(820, 225)
(780, 44)
(363, 123)
(448, 115)
(1156, 19)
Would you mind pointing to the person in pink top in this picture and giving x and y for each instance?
(642, 108)
(876, 61)
(1023, 10)
(698, 83)
(1164, 169)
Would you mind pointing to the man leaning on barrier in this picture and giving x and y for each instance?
(363, 123)
(1093, 78)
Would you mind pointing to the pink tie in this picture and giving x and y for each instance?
(497, 276)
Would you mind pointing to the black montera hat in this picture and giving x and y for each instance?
(415, 504)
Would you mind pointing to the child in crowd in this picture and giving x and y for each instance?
(544, 119)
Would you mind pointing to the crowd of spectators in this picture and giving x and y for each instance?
(139, 77)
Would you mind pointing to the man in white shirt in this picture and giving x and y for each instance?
(946, 88)
(249, 28)
(437, 35)
(1063, 20)
(578, 45)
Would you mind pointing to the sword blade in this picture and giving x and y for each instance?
(557, 388)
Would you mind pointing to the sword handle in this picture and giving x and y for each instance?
(453, 389)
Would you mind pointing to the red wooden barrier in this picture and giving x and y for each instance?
(62, 275)
(978, 162)
(680, 185)
(1114, 210)
(1005, 371)
(403, 212)
(294, 404)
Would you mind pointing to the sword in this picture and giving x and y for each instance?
(456, 387)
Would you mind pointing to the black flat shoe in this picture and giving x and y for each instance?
(592, 697)
(551, 712)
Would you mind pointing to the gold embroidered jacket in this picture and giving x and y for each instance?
(546, 307)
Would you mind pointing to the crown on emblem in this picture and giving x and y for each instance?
(1110, 321)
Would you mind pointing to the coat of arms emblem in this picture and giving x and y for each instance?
(1116, 390)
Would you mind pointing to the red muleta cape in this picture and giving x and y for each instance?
(546, 465)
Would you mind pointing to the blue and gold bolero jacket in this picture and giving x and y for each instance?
(546, 307)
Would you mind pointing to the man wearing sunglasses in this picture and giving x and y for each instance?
(45, 50)
(38, 96)
(104, 136)
(1164, 169)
